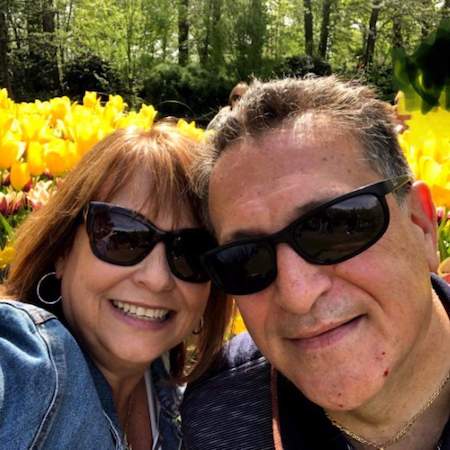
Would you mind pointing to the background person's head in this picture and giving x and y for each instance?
(340, 327)
(236, 93)
(147, 172)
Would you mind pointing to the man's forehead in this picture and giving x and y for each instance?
(305, 143)
(271, 180)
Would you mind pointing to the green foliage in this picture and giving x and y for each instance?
(248, 36)
(31, 75)
(380, 77)
(299, 66)
(444, 236)
(229, 40)
(91, 73)
(198, 91)
(427, 71)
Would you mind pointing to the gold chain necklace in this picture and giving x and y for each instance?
(402, 432)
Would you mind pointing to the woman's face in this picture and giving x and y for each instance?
(126, 317)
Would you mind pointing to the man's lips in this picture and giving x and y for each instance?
(326, 335)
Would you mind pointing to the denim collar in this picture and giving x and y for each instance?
(167, 396)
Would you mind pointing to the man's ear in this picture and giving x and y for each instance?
(423, 214)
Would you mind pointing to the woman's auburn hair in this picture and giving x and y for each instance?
(48, 233)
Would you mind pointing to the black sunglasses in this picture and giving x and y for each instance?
(124, 237)
(331, 233)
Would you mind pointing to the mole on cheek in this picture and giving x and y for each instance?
(386, 373)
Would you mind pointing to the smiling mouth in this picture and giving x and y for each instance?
(142, 313)
(328, 337)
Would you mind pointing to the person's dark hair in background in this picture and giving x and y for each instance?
(235, 95)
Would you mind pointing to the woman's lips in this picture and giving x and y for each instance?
(330, 336)
(137, 322)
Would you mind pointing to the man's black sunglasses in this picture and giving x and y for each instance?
(331, 233)
(124, 237)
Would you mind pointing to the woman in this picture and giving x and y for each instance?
(114, 255)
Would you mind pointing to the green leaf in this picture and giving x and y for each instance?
(8, 228)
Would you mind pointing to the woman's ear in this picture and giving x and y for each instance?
(423, 214)
(59, 266)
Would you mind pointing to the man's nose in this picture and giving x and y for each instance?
(299, 283)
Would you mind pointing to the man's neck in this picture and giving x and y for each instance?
(413, 400)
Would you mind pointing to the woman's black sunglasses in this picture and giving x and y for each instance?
(331, 233)
(124, 237)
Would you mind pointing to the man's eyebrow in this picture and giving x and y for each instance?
(298, 212)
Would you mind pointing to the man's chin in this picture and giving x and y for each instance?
(337, 393)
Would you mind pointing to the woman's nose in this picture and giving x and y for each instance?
(154, 272)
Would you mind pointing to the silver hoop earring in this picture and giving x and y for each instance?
(39, 287)
(199, 329)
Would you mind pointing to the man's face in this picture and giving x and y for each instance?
(339, 332)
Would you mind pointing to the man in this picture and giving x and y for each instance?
(327, 245)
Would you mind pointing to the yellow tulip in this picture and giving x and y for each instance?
(20, 175)
(47, 133)
(55, 157)
(238, 325)
(86, 138)
(130, 120)
(9, 151)
(6, 121)
(441, 195)
(148, 113)
(34, 158)
(5, 102)
(190, 130)
(116, 102)
(6, 256)
(72, 155)
(31, 126)
(60, 108)
(90, 100)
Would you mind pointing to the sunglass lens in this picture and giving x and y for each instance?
(341, 230)
(243, 268)
(183, 253)
(120, 239)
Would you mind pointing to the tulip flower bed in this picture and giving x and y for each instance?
(426, 144)
(41, 141)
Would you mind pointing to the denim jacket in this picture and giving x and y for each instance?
(52, 397)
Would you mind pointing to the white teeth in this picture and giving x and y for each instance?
(141, 312)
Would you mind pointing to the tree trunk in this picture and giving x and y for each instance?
(425, 25)
(371, 35)
(397, 37)
(49, 29)
(325, 29)
(445, 11)
(183, 32)
(217, 39)
(204, 49)
(5, 81)
(309, 37)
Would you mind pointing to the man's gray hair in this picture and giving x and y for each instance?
(349, 106)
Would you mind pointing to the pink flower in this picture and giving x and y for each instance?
(39, 194)
(11, 202)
